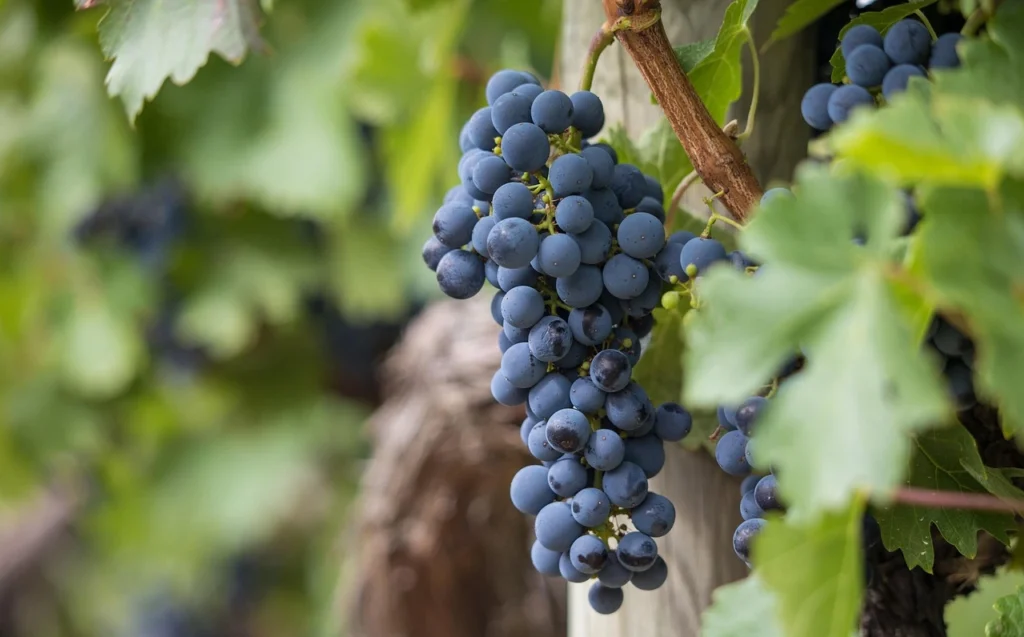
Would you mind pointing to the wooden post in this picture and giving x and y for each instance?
(699, 549)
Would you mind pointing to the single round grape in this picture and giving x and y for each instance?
(585, 396)
(454, 223)
(569, 572)
(505, 392)
(531, 91)
(574, 214)
(630, 408)
(595, 242)
(605, 450)
(610, 370)
(646, 451)
(491, 272)
(588, 113)
(540, 448)
(550, 338)
(465, 143)
(672, 422)
(457, 194)
(655, 190)
(496, 308)
(606, 205)
(961, 384)
(624, 276)
(525, 147)
(766, 494)
(567, 476)
(604, 600)
(513, 243)
(748, 484)
(525, 428)
(555, 527)
(568, 430)
(552, 111)
(481, 129)
(814, 106)
(591, 507)
(897, 79)
(857, 35)
(653, 207)
(589, 554)
(744, 537)
(748, 412)
(701, 253)
(582, 288)
(655, 516)
(614, 574)
(549, 395)
(727, 416)
(590, 325)
(944, 54)
(505, 81)
(637, 551)
(522, 307)
(645, 302)
(578, 353)
(949, 340)
(530, 491)
(479, 237)
(846, 99)
(626, 485)
(559, 255)
(520, 367)
(460, 274)
(629, 185)
(867, 65)
(682, 237)
(652, 578)
(468, 162)
(605, 147)
(570, 175)
(510, 109)
(512, 200)
(545, 560)
(601, 164)
(641, 235)
(730, 452)
(908, 42)
(433, 250)
(490, 174)
(748, 506)
(509, 278)
(503, 343)
(515, 334)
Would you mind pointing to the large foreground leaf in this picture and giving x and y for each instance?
(742, 609)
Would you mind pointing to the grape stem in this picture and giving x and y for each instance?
(715, 156)
(755, 63)
(677, 196)
(927, 24)
(598, 44)
(916, 496)
(974, 22)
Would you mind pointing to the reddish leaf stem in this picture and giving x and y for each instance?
(915, 496)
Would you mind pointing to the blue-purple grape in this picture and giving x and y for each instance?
(525, 147)
(626, 486)
(672, 422)
(521, 368)
(908, 42)
(624, 276)
(460, 274)
(591, 507)
(641, 235)
(513, 199)
(570, 175)
(605, 450)
(559, 255)
(568, 430)
(897, 79)
(637, 551)
(585, 396)
(574, 214)
(567, 476)
(582, 288)
(550, 339)
(513, 243)
(552, 111)
(814, 106)
(530, 491)
(588, 113)
(549, 395)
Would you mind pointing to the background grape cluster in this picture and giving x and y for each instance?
(575, 244)
(878, 66)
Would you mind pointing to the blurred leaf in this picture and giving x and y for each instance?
(967, 615)
(799, 15)
(1010, 620)
(151, 40)
(660, 370)
(362, 274)
(742, 609)
(100, 352)
(881, 20)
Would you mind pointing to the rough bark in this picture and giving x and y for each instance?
(442, 553)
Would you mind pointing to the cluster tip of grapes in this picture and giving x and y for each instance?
(877, 65)
(575, 244)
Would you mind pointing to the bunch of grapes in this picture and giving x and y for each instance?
(575, 244)
(877, 65)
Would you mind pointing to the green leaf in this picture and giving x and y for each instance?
(945, 459)
(742, 609)
(1010, 622)
(660, 370)
(718, 78)
(362, 288)
(967, 615)
(983, 282)
(100, 353)
(692, 54)
(842, 423)
(152, 40)
(881, 20)
(799, 15)
(815, 571)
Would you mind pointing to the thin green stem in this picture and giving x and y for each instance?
(974, 22)
(731, 222)
(755, 63)
(598, 44)
(927, 24)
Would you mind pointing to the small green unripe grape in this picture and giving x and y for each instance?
(627, 342)
(585, 366)
(670, 300)
(691, 270)
(673, 279)
(689, 317)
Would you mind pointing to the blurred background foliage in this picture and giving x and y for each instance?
(192, 305)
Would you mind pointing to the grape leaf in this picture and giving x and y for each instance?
(151, 40)
(1010, 622)
(718, 78)
(944, 460)
(692, 54)
(742, 609)
(815, 571)
(841, 424)
(660, 370)
(100, 353)
(799, 15)
(881, 20)
(984, 283)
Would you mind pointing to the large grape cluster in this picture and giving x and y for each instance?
(575, 244)
(878, 65)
